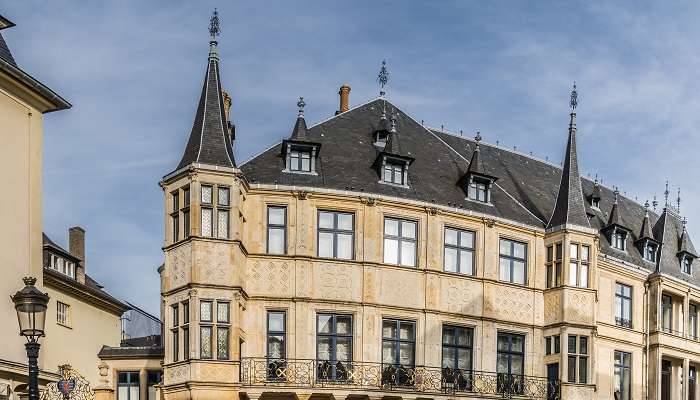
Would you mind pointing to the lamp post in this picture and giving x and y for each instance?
(30, 304)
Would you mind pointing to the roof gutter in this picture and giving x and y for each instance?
(48, 95)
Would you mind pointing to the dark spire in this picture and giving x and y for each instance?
(595, 195)
(209, 141)
(393, 144)
(645, 232)
(570, 208)
(614, 218)
(300, 132)
(476, 164)
(685, 245)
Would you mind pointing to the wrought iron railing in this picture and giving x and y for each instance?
(388, 377)
(626, 323)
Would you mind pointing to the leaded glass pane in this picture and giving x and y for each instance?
(205, 311)
(206, 194)
(222, 341)
(222, 227)
(205, 342)
(325, 324)
(224, 196)
(206, 221)
(343, 325)
(222, 312)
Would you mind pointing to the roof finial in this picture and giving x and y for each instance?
(678, 201)
(574, 99)
(383, 78)
(596, 179)
(393, 122)
(685, 221)
(214, 31)
(477, 138)
(617, 193)
(654, 203)
(666, 193)
(301, 104)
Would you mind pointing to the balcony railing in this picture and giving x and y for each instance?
(626, 323)
(388, 377)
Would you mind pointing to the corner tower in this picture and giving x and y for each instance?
(201, 280)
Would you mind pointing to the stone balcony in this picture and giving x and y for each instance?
(261, 375)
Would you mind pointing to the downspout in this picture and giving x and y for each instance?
(646, 313)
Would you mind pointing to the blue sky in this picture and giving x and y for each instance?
(133, 71)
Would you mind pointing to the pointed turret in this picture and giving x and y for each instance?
(570, 208)
(209, 141)
(614, 218)
(646, 243)
(645, 232)
(685, 245)
(300, 132)
(299, 151)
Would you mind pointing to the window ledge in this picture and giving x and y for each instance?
(289, 171)
(485, 203)
(64, 325)
(393, 184)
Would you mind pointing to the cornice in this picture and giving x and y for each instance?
(89, 295)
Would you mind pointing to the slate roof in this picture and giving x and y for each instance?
(526, 190)
(5, 53)
(209, 141)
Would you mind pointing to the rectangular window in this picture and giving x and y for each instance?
(175, 216)
(336, 235)
(300, 160)
(393, 173)
(207, 194)
(478, 190)
(552, 344)
(400, 242)
(205, 311)
(692, 382)
(686, 265)
(623, 375)
(650, 252)
(666, 313)
(513, 261)
(153, 378)
(398, 351)
(510, 363)
(223, 319)
(457, 349)
(578, 266)
(553, 266)
(222, 224)
(205, 341)
(623, 305)
(186, 223)
(207, 222)
(276, 230)
(224, 198)
(459, 251)
(186, 330)
(128, 387)
(693, 321)
(62, 313)
(186, 197)
(618, 239)
(276, 335)
(176, 332)
(578, 359)
(333, 346)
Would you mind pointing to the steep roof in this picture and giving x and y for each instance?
(570, 207)
(525, 193)
(5, 53)
(209, 141)
(645, 232)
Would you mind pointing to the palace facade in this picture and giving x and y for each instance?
(370, 256)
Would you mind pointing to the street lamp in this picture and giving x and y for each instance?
(30, 304)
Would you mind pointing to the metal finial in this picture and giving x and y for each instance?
(654, 203)
(617, 193)
(393, 122)
(573, 103)
(595, 182)
(477, 138)
(214, 29)
(666, 193)
(685, 221)
(646, 205)
(383, 77)
(678, 201)
(301, 104)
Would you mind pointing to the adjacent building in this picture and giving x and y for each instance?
(370, 256)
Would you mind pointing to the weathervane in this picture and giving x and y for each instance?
(383, 78)
(666, 193)
(573, 103)
(477, 138)
(654, 203)
(678, 201)
(214, 29)
(301, 104)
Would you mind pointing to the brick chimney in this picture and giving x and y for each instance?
(76, 246)
(344, 98)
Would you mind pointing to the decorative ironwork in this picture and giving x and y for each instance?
(301, 104)
(573, 103)
(383, 77)
(214, 29)
(71, 386)
(300, 373)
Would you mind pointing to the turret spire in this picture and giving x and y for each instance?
(209, 141)
(570, 207)
(383, 78)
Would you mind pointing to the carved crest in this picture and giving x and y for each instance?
(71, 386)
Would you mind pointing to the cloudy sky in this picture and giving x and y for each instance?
(133, 71)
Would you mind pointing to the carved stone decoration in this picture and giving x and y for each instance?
(302, 276)
(216, 372)
(552, 307)
(460, 296)
(490, 222)
(177, 374)
(337, 282)
(510, 304)
(178, 262)
(580, 307)
(407, 293)
(270, 278)
(432, 210)
(302, 195)
(370, 201)
(215, 264)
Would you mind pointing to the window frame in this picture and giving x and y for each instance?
(335, 233)
(399, 240)
(456, 346)
(298, 153)
(150, 383)
(515, 382)
(477, 186)
(618, 239)
(512, 259)
(269, 227)
(175, 329)
(175, 215)
(66, 313)
(620, 312)
(579, 375)
(282, 333)
(394, 168)
(553, 265)
(459, 249)
(693, 321)
(619, 369)
(129, 384)
(397, 341)
(578, 264)
(666, 309)
(333, 336)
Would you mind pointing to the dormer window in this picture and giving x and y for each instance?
(380, 139)
(300, 160)
(595, 203)
(650, 252)
(394, 172)
(60, 264)
(687, 264)
(479, 189)
(618, 239)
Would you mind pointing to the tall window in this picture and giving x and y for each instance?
(153, 378)
(578, 359)
(650, 251)
(459, 251)
(666, 313)
(618, 239)
(623, 375)
(207, 210)
(186, 212)
(686, 264)
(400, 242)
(693, 321)
(554, 259)
(128, 385)
(222, 212)
(186, 330)
(62, 313)
(205, 329)
(175, 216)
(578, 266)
(276, 230)
(510, 363)
(215, 318)
(457, 343)
(623, 305)
(398, 351)
(666, 377)
(276, 343)
(479, 189)
(300, 160)
(552, 345)
(223, 321)
(333, 346)
(513, 262)
(692, 381)
(394, 172)
(336, 235)
(176, 332)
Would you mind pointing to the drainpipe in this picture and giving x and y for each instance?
(645, 368)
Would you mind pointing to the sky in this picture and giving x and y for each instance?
(133, 71)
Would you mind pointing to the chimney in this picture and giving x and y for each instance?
(227, 103)
(344, 98)
(76, 246)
